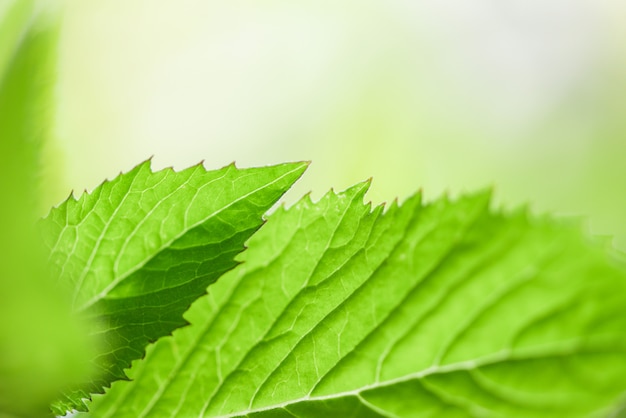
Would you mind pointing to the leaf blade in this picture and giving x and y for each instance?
(139, 249)
(411, 312)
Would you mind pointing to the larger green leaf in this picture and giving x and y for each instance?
(446, 309)
(138, 250)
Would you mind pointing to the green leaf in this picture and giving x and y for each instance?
(27, 70)
(446, 309)
(42, 347)
(138, 250)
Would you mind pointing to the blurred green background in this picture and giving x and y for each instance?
(526, 96)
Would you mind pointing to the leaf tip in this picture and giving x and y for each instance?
(360, 189)
(145, 163)
(300, 167)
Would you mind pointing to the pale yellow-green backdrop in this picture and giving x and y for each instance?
(446, 95)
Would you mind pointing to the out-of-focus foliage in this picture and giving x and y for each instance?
(42, 348)
(449, 95)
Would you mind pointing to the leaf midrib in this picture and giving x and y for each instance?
(556, 350)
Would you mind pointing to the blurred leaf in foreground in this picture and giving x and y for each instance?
(42, 349)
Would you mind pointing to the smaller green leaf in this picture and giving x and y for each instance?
(138, 250)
